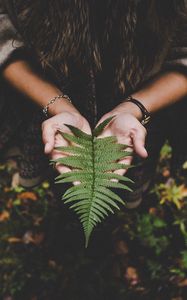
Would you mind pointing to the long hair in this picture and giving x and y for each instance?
(64, 31)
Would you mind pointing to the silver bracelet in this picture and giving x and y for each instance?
(52, 101)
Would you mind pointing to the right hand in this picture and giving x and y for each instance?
(128, 131)
(52, 138)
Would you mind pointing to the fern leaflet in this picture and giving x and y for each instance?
(93, 161)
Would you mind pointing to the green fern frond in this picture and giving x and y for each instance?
(93, 161)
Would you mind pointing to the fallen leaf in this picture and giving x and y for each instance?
(6, 189)
(28, 196)
(15, 180)
(9, 203)
(4, 216)
(182, 283)
(13, 240)
(153, 211)
(166, 172)
(131, 276)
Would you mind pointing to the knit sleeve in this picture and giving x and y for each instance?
(177, 56)
(177, 59)
(9, 38)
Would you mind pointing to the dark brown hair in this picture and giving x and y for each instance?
(62, 31)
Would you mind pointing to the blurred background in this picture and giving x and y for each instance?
(134, 254)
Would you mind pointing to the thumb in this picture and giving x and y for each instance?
(138, 139)
(48, 136)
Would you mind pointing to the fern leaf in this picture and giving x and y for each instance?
(93, 160)
(75, 193)
(106, 199)
(74, 189)
(105, 141)
(76, 140)
(113, 176)
(112, 184)
(78, 133)
(73, 150)
(82, 196)
(101, 126)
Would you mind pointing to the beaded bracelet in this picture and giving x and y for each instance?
(52, 101)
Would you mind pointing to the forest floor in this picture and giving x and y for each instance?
(135, 254)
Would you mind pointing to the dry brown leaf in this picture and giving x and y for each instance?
(14, 239)
(153, 211)
(9, 203)
(182, 283)
(28, 196)
(6, 189)
(131, 275)
(4, 216)
(166, 172)
(15, 180)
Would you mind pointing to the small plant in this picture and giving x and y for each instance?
(170, 192)
(93, 161)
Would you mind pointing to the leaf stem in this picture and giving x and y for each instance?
(92, 189)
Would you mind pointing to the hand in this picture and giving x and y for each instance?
(52, 138)
(128, 130)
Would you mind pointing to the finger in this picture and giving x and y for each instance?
(62, 142)
(59, 141)
(138, 138)
(48, 136)
(55, 154)
(126, 161)
(62, 169)
(87, 128)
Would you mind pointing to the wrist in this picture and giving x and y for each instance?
(145, 115)
(61, 106)
(130, 108)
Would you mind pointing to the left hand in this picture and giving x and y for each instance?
(53, 139)
(128, 130)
